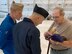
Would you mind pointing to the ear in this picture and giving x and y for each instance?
(38, 17)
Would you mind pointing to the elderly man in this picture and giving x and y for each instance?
(60, 35)
(6, 39)
(26, 35)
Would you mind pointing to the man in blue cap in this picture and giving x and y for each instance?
(26, 35)
(6, 38)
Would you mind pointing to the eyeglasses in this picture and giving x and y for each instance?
(55, 16)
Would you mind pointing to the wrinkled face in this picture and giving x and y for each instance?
(58, 18)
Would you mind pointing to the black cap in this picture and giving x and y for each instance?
(40, 11)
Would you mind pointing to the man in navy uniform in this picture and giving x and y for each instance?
(6, 39)
(26, 35)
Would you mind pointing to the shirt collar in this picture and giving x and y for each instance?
(10, 19)
(28, 20)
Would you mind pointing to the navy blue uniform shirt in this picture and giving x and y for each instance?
(6, 39)
(26, 38)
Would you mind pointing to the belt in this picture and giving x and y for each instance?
(60, 50)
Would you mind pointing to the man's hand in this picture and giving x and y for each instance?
(54, 42)
(47, 35)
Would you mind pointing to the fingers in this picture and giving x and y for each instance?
(47, 35)
(54, 42)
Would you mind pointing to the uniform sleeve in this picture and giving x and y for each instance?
(3, 34)
(35, 42)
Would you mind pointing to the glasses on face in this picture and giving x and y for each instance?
(55, 16)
